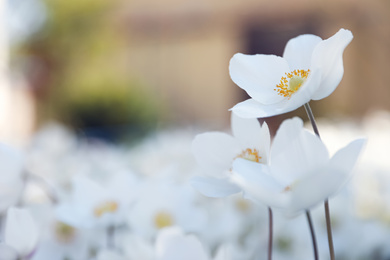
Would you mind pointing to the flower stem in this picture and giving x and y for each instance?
(312, 120)
(110, 237)
(326, 204)
(270, 219)
(329, 230)
(313, 236)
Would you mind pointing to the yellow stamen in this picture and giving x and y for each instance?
(242, 205)
(163, 219)
(106, 207)
(64, 233)
(251, 155)
(292, 82)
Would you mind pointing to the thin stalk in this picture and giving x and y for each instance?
(329, 230)
(326, 203)
(110, 237)
(313, 236)
(270, 235)
(312, 120)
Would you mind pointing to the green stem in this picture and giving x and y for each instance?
(270, 219)
(313, 236)
(326, 204)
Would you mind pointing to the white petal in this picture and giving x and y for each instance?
(295, 151)
(328, 57)
(255, 180)
(258, 75)
(171, 244)
(107, 254)
(345, 158)
(265, 145)
(21, 231)
(315, 188)
(215, 151)
(7, 252)
(250, 134)
(299, 50)
(213, 187)
(252, 109)
(325, 182)
(245, 130)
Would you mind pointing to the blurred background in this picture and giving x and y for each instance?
(119, 71)
(105, 68)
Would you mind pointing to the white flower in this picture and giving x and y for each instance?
(107, 254)
(20, 235)
(172, 244)
(311, 68)
(96, 204)
(161, 204)
(216, 151)
(11, 181)
(58, 240)
(300, 173)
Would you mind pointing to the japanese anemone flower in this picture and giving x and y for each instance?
(310, 69)
(300, 173)
(216, 151)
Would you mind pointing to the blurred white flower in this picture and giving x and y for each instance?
(20, 235)
(170, 152)
(300, 173)
(162, 203)
(231, 220)
(93, 204)
(11, 179)
(216, 151)
(59, 240)
(173, 244)
(311, 68)
(107, 254)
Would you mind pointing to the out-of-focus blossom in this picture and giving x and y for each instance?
(173, 244)
(170, 152)
(20, 235)
(162, 203)
(107, 254)
(93, 204)
(59, 240)
(137, 247)
(216, 151)
(11, 179)
(300, 173)
(311, 68)
(231, 220)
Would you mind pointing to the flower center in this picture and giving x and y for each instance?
(163, 219)
(105, 207)
(64, 233)
(250, 155)
(292, 82)
(242, 205)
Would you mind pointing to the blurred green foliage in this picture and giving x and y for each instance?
(85, 82)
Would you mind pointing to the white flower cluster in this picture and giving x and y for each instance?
(67, 198)
(158, 216)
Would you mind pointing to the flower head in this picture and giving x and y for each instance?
(20, 236)
(96, 204)
(216, 151)
(311, 68)
(300, 173)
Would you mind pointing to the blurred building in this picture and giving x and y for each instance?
(182, 49)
